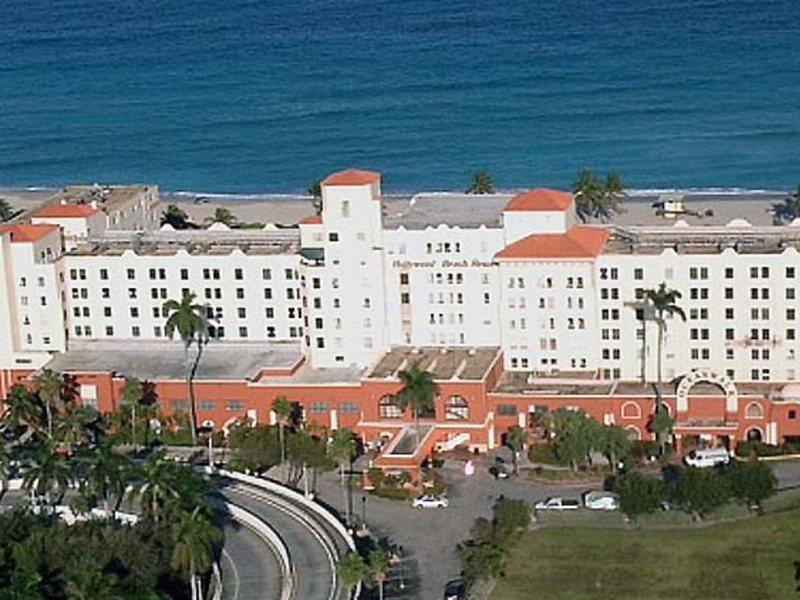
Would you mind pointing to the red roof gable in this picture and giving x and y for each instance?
(62, 211)
(541, 199)
(21, 232)
(310, 220)
(352, 177)
(578, 242)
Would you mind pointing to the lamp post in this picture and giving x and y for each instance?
(364, 511)
(210, 432)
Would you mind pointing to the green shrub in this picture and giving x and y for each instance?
(752, 482)
(639, 493)
(392, 493)
(747, 449)
(543, 453)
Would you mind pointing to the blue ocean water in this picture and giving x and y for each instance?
(248, 96)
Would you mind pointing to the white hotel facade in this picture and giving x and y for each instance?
(561, 300)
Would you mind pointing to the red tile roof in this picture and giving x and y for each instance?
(61, 211)
(541, 199)
(310, 220)
(578, 242)
(21, 232)
(352, 177)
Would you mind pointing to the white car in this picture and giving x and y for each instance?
(601, 501)
(430, 501)
(557, 504)
(705, 459)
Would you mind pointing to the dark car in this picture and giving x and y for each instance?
(455, 590)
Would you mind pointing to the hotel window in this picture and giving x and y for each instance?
(319, 407)
(135, 331)
(729, 293)
(266, 274)
(157, 331)
(790, 313)
(134, 312)
(456, 409)
(728, 272)
(790, 294)
(790, 334)
(106, 311)
(333, 236)
(729, 313)
(184, 274)
(267, 293)
(241, 312)
(729, 355)
(234, 405)
(238, 274)
(105, 293)
(507, 410)
(242, 332)
(131, 274)
(271, 331)
(789, 272)
(388, 407)
(289, 274)
(405, 298)
(109, 330)
(103, 274)
(349, 407)
(240, 293)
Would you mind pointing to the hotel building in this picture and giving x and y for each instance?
(512, 303)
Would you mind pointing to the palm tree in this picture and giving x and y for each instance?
(6, 212)
(378, 566)
(176, 218)
(106, 475)
(419, 392)
(189, 320)
(516, 438)
(481, 183)
(222, 215)
(788, 210)
(663, 301)
(352, 569)
(49, 473)
(315, 191)
(158, 486)
(283, 410)
(22, 409)
(92, 584)
(195, 537)
(595, 198)
(341, 450)
(131, 396)
(77, 425)
(48, 386)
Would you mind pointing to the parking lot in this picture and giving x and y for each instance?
(429, 537)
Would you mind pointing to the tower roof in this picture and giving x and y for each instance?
(540, 199)
(352, 177)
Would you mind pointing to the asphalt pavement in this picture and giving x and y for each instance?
(249, 570)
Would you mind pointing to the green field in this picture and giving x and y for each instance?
(751, 558)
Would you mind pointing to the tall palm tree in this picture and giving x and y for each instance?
(190, 322)
(157, 487)
(92, 584)
(49, 473)
(48, 385)
(195, 536)
(283, 410)
(352, 569)
(341, 450)
(788, 210)
(105, 475)
(663, 301)
(131, 397)
(378, 566)
(419, 392)
(481, 183)
(315, 191)
(222, 215)
(77, 425)
(516, 438)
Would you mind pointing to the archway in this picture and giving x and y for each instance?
(696, 376)
(754, 434)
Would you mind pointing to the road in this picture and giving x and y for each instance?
(249, 569)
(313, 558)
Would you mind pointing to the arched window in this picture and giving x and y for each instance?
(457, 409)
(389, 408)
(633, 433)
(631, 410)
(754, 435)
(754, 411)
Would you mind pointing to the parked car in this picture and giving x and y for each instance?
(704, 459)
(600, 500)
(501, 469)
(455, 590)
(430, 501)
(557, 504)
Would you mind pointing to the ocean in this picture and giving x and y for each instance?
(236, 96)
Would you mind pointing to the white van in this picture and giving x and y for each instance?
(703, 459)
(598, 500)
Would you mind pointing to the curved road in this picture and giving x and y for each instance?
(312, 547)
(249, 568)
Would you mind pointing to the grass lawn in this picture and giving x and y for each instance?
(751, 558)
